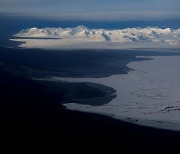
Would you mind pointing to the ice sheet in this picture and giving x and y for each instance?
(150, 95)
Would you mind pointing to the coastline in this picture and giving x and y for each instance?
(136, 88)
(27, 112)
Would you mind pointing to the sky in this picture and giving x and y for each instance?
(95, 10)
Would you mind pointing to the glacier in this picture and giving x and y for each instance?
(121, 35)
(118, 38)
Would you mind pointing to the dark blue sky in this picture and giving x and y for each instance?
(95, 10)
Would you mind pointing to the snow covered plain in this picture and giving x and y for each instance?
(149, 96)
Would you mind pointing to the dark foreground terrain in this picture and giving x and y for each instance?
(31, 112)
(29, 115)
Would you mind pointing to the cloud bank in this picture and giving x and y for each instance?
(140, 15)
(94, 10)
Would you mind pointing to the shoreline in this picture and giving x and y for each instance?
(30, 111)
(105, 68)
(158, 118)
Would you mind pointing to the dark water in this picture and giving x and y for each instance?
(21, 65)
(76, 63)
(31, 110)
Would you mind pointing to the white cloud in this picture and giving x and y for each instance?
(143, 15)
(94, 9)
